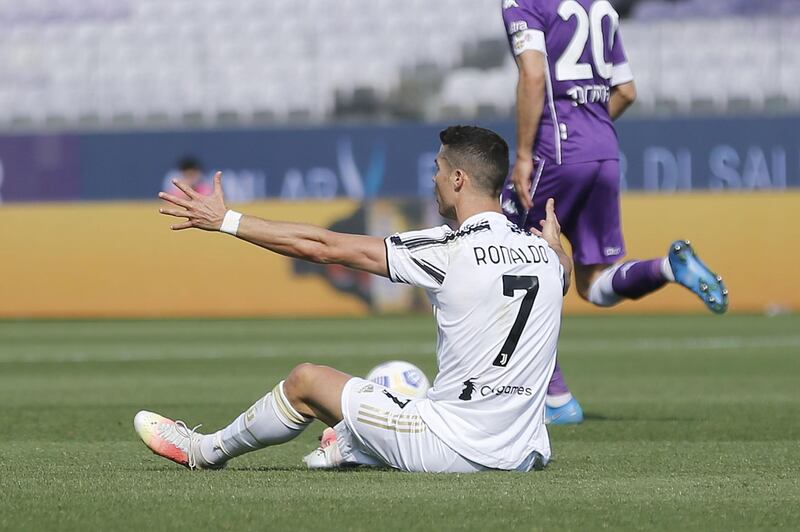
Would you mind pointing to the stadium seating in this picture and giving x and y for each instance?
(724, 65)
(665, 9)
(91, 63)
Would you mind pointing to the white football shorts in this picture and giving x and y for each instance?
(383, 427)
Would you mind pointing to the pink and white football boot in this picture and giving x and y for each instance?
(171, 439)
(327, 455)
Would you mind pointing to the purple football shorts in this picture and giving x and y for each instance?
(587, 206)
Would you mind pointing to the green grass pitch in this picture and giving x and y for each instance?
(692, 423)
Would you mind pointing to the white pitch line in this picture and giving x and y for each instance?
(316, 351)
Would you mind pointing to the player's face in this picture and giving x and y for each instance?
(442, 189)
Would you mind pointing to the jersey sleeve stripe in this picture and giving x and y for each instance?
(427, 268)
(551, 103)
(620, 74)
(433, 267)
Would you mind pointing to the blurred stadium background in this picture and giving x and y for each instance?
(92, 64)
(328, 112)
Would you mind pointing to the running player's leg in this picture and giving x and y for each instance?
(606, 285)
(598, 244)
(308, 392)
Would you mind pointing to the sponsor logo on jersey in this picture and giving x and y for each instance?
(503, 389)
(469, 389)
(517, 25)
(509, 389)
(508, 4)
(585, 94)
(609, 252)
(367, 389)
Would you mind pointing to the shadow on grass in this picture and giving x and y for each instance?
(227, 470)
(347, 469)
(262, 469)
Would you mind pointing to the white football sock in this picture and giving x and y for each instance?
(270, 421)
(555, 401)
(666, 269)
(601, 293)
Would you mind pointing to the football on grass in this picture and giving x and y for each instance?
(402, 377)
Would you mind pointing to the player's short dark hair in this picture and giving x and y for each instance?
(188, 163)
(480, 152)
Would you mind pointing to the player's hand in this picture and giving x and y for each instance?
(551, 229)
(521, 177)
(201, 212)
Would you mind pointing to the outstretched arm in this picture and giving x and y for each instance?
(300, 241)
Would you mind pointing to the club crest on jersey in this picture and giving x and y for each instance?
(508, 4)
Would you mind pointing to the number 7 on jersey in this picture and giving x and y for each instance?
(512, 283)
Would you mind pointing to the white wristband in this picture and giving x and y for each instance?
(230, 223)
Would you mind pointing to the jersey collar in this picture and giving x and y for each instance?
(486, 215)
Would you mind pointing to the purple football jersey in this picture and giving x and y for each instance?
(584, 55)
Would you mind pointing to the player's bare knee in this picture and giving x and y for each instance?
(583, 289)
(297, 382)
(585, 278)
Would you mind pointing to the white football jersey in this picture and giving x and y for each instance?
(497, 294)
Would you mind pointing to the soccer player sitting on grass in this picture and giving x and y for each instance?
(496, 292)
